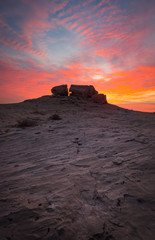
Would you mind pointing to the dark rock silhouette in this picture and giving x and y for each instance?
(84, 91)
(80, 91)
(99, 98)
(61, 90)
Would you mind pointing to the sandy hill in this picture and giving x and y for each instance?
(72, 169)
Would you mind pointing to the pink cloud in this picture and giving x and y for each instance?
(110, 41)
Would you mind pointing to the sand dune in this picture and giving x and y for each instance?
(89, 175)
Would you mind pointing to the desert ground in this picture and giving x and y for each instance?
(72, 169)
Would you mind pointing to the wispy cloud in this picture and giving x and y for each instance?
(106, 43)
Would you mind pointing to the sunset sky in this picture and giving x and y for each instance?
(107, 43)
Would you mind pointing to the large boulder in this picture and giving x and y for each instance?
(84, 91)
(61, 90)
(92, 91)
(99, 98)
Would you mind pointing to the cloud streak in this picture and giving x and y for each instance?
(102, 42)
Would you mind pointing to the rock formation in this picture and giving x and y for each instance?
(61, 90)
(84, 91)
(99, 98)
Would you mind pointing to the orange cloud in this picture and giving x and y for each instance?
(106, 44)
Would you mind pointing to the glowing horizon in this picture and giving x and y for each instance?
(105, 43)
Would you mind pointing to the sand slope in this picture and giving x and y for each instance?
(88, 176)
